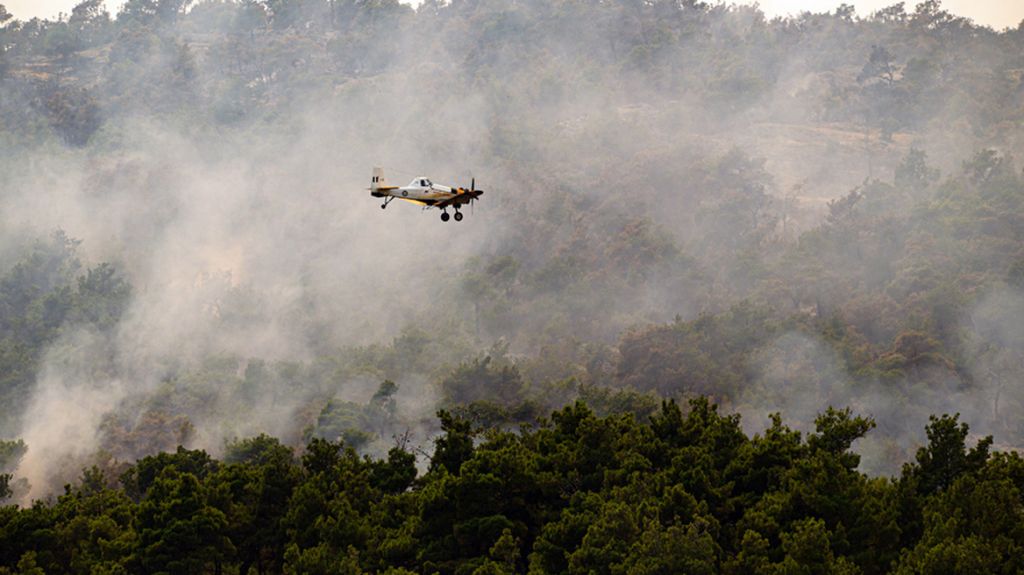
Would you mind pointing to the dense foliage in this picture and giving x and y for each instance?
(684, 492)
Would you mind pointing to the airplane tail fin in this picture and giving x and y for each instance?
(377, 181)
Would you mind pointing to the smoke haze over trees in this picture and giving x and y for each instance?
(684, 200)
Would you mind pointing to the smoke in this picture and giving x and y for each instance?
(996, 344)
(628, 180)
(63, 418)
(798, 376)
(260, 244)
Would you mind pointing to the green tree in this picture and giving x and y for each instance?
(453, 448)
(253, 490)
(914, 173)
(95, 527)
(946, 457)
(836, 432)
(675, 549)
(396, 473)
(972, 527)
(178, 531)
(73, 112)
(808, 550)
(153, 11)
(139, 478)
(880, 66)
(486, 379)
(607, 542)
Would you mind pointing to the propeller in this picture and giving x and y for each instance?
(472, 191)
(474, 194)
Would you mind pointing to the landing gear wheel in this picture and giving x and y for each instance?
(458, 216)
(445, 216)
(383, 206)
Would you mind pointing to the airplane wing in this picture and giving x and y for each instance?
(460, 198)
(412, 201)
(456, 199)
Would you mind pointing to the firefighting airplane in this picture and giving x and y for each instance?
(423, 192)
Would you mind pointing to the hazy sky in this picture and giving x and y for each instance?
(998, 14)
(995, 13)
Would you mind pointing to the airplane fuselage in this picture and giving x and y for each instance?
(430, 194)
(423, 192)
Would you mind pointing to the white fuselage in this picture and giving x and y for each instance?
(417, 191)
(425, 193)
(420, 190)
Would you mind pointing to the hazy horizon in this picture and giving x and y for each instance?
(998, 14)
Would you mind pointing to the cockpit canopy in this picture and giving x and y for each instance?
(420, 183)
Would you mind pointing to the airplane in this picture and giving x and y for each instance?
(423, 192)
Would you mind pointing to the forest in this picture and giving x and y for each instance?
(744, 294)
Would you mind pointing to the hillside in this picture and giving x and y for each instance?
(767, 222)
